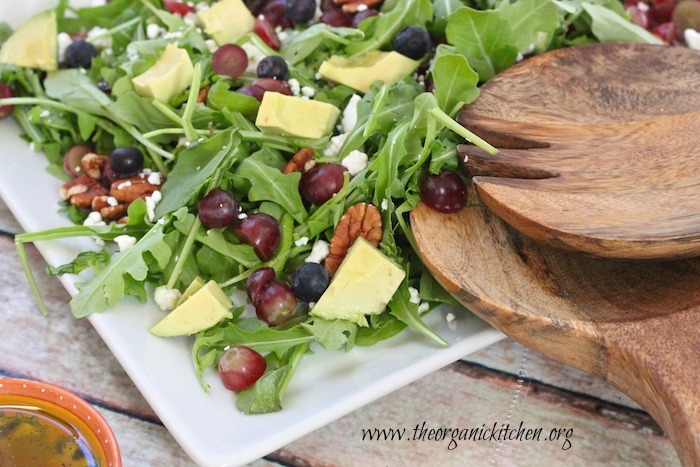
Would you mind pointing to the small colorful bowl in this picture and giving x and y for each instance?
(43, 423)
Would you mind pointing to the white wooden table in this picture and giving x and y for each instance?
(504, 383)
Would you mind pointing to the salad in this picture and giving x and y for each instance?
(275, 148)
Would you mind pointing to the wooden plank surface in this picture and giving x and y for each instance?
(504, 383)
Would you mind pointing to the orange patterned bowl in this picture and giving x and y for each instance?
(41, 424)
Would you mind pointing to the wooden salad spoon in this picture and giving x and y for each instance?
(598, 154)
(599, 149)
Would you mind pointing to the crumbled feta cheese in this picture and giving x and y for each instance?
(294, 85)
(308, 91)
(112, 201)
(44, 114)
(254, 56)
(151, 202)
(154, 178)
(423, 307)
(355, 162)
(282, 36)
(242, 216)
(147, 171)
(32, 146)
(172, 35)
(153, 31)
(385, 204)
(94, 218)
(95, 35)
(519, 57)
(350, 113)
(98, 241)
(124, 242)
(319, 252)
(302, 241)
(64, 40)
(466, 159)
(211, 45)
(414, 295)
(131, 53)
(157, 196)
(317, 75)
(201, 6)
(312, 305)
(449, 317)
(692, 38)
(642, 6)
(190, 19)
(333, 147)
(166, 298)
(123, 185)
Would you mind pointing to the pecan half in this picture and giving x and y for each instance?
(110, 213)
(300, 161)
(130, 189)
(353, 6)
(360, 220)
(93, 164)
(81, 191)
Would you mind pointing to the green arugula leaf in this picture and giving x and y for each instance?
(84, 260)
(455, 82)
(332, 334)
(308, 41)
(386, 164)
(263, 396)
(608, 26)
(75, 89)
(442, 9)
(484, 38)
(220, 96)
(406, 311)
(528, 17)
(382, 326)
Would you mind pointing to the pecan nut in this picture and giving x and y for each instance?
(130, 189)
(353, 6)
(93, 164)
(300, 161)
(81, 191)
(360, 220)
(110, 213)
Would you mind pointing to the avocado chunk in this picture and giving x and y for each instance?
(33, 44)
(169, 76)
(294, 116)
(226, 21)
(203, 309)
(364, 284)
(360, 73)
(194, 286)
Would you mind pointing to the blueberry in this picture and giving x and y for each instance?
(300, 11)
(273, 66)
(413, 42)
(80, 54)
(309, 282)
(126, 161)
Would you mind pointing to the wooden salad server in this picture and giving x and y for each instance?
(599, 149)
(599, 154)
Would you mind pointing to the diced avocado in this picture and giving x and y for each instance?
(33, 44)
(226, 21)
(294, 116)
(194, 286)
(205, 308)
(364, 283)
(359, 73)
(170, 75)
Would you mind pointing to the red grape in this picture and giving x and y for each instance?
(660, 12)
(275, 15)
(665, 31)
(218, 209)
(240, 367)
(262, 231)
(319, 184)
(273, 85)
(336, 18)
(229, 60)
(178, 8)
(445, 192)
(276, 303)
(257, 281)
(638, 16)
(363, 15)
(252, 91)
(266, 31)
(5, 92)
(72, 158)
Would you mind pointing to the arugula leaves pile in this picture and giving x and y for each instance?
(406, 128)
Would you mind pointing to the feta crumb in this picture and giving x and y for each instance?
(519, 57)
(112, 201)
(302, 241)
(211, 45)
(355, 162)
(132, 53)
(156, 196)
(449, 317)
(423, 307)
(166, 298)
(94, 218)
(201, 6)
(692, 38)
(123, 185)
(98, 241)
(643, 6)
(147, 171)
(350, 113)
(151, 202)
(242, 216)
(153, 31)
(317, 75)
(45, 114)
(154, 178)
(319, 252)
(124, 242)
(282, 36)
(312, 305)
(190, 19)
(308, 91)
(294, 85)
(172, 35)
(466, 159)
(361, 7)
(414, 295)
(95, 36)
(64, 40)
(385, 204)
(333, 147)
(254, 56)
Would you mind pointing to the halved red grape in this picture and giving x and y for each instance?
(264, 28)
(252, 91)
(178, 8)
(336, 18)
(72, 158)
(275, 15)
(276, 303)
(240, 367)
(363, 15)
(262, 232)
(319, 184)
(6, 92)
(445, 192)
(666, 32)
(273, 85)
(257, 281)
(229, 60)
(218, 209)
